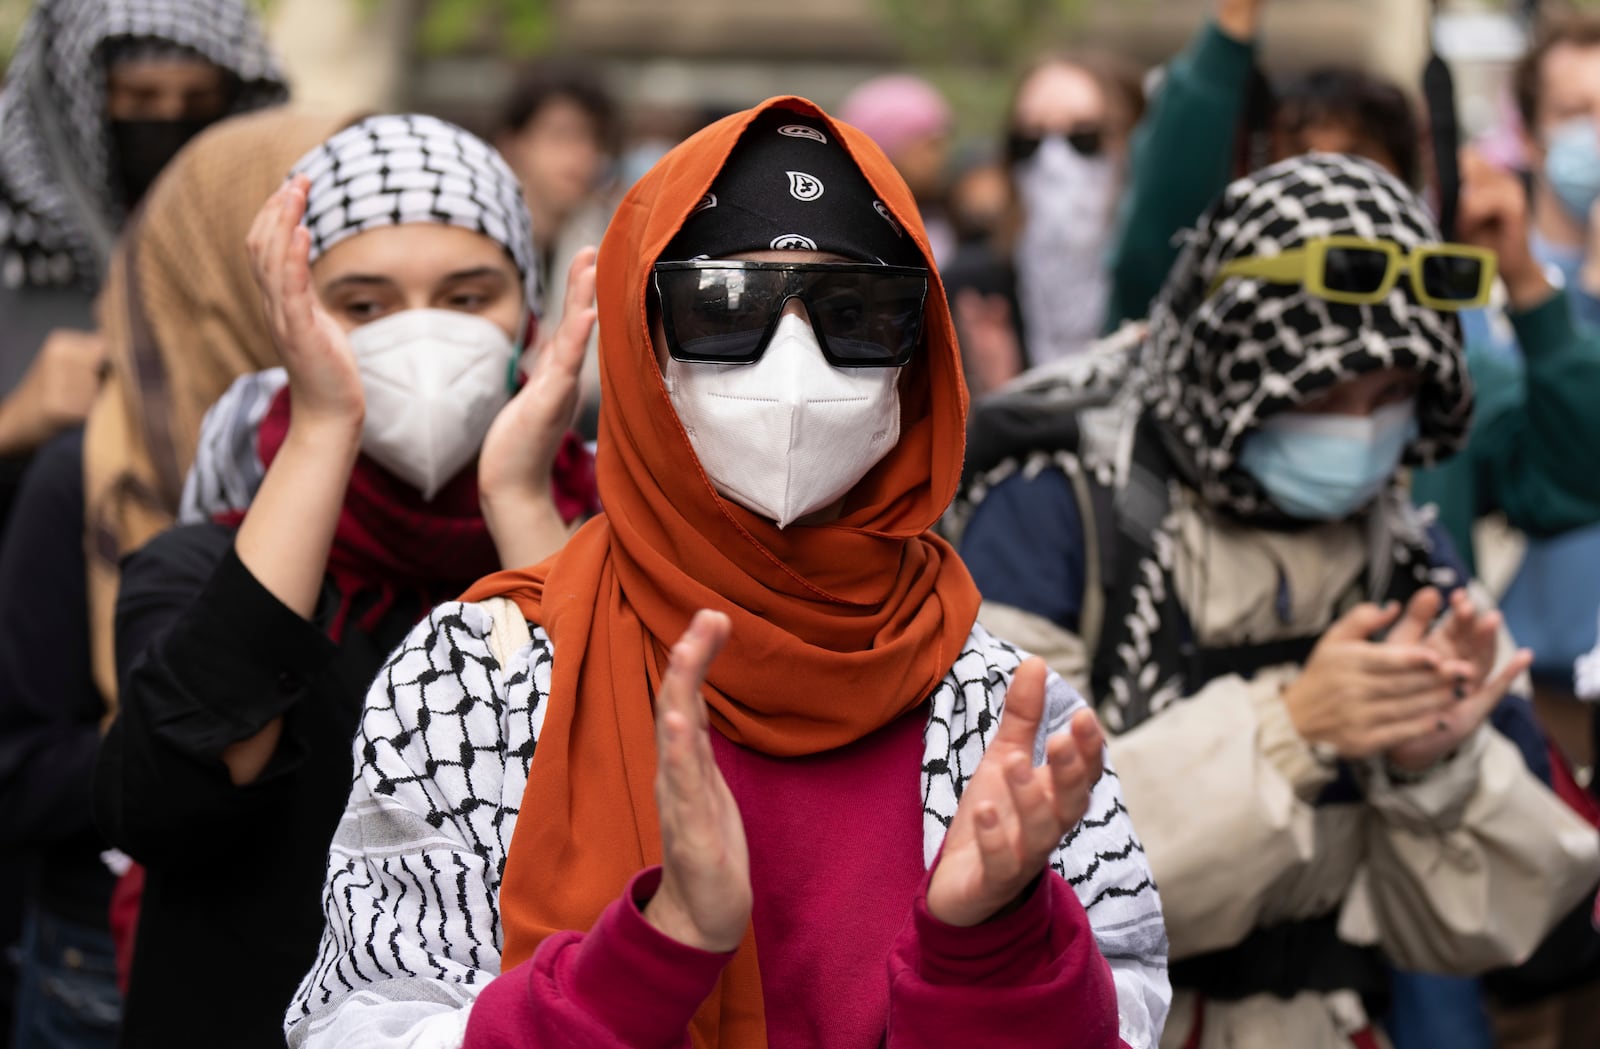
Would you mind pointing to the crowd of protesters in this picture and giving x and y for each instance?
(833, 586)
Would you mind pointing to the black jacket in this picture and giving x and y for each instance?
(231, 915)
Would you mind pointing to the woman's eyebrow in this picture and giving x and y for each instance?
(359, 279)
(475, 273)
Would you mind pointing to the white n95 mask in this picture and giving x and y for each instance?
(790, 434)
(434, 381)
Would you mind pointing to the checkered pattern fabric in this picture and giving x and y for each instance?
(442, 755)
(1208, 369)
(1216, 365)
(391, 170)
(59, 214)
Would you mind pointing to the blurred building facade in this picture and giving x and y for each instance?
(723, 54)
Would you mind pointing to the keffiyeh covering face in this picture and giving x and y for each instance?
(1215, 367)
(398, 169)
(60, 207)
(1069, 202)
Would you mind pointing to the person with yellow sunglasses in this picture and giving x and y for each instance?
(1204, 524)
(1362, 271)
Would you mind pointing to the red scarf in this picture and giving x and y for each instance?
(391, 542)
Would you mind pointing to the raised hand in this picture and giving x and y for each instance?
(1492, 212)
(520, 446)
(1012, 815)
(1240, 19)
(1468, 637)
(514, 467)
(705, 897)
(57, 391)
(323, 381)
(1364, 697)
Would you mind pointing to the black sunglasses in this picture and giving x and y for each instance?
(718, 312)
(1086, 140)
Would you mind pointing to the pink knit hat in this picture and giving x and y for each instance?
(896, 109)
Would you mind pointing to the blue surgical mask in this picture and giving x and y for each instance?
(1572, 166)
(1325, 467)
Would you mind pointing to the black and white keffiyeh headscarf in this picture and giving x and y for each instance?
(59, 210)
(1216, 366)
(1212, 367)
(397, 169)
(1159, 410)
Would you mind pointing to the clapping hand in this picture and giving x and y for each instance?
(323, 381)
(1362, 696)
(1469, 637)
(705, 897)
(1012, 815)
(521, 445)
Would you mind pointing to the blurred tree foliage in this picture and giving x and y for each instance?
(971, 50)
(515, 28)
(991, 34)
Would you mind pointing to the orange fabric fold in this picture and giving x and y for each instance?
(837, 629)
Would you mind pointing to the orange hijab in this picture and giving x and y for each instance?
(837, 629)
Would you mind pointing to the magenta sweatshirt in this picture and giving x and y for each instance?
(850, 957)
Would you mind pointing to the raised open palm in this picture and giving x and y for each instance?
(323, 380)
(1013, 815)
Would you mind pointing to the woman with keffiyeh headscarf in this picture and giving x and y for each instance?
(1204, 522)
(731, 769)
(99, 96)
(332, 501)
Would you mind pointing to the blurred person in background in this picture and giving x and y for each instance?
(1186, 149)
(1066, 152)
(1204, 524)
(979, 197)
(333, 500)
(1340, 109)
(910, 121)
(98, 97)
(1554, 596)
(195, 336)
(558, 129)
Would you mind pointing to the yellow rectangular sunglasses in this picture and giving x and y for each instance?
(1359, 271)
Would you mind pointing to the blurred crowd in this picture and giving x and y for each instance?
(1131, 578)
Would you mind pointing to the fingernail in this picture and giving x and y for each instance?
(1441, 724)
(1461, 688)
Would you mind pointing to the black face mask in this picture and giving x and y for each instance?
(143, 148)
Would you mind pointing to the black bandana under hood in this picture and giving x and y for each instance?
(60, 207)
(1216, 366)
(789, 185)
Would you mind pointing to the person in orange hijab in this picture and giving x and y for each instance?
(732, 768)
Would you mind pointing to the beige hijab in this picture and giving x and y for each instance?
(183, 319)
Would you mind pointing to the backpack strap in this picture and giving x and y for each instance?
(509, 629)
